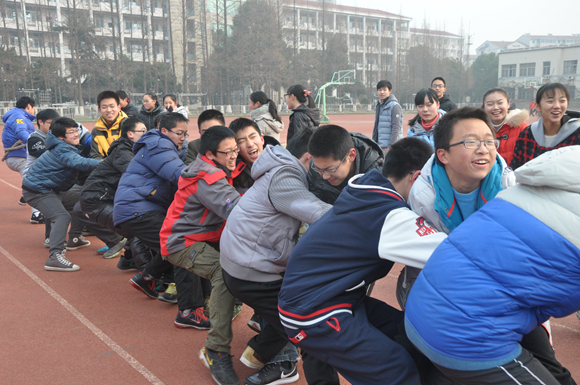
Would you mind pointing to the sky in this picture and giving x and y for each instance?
(485, 20)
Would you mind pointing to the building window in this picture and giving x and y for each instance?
(546, 70)
(570, 67)
(508, 71)
(528, 69)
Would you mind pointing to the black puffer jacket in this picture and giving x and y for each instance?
(301, 119)
(446, 104)
(131, 110)
(99, 190)
(368, 156)
(148, 117)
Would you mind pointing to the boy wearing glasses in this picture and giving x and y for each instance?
(438, 85)
(47, 186)
(191, 234)
(338, 155)
(107, 129)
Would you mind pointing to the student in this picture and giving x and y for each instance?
(265, 114)
(191, 233)
(439, 86)
(126, 106)
(323, 303)
(107, 129)
(252, 263)
(464, 174)
(304, 112)
(48, 183)
(507, 126)
(205, 120)
(556, 127)
(388, 126)
(338, 155)
(149, 110)
(171, 105)
(514, 265)
(428, 115)
(144, 194)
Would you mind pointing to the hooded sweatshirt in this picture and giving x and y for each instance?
(267, 124)
(17, 126)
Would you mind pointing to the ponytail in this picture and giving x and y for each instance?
(262, 98)
(302, 95)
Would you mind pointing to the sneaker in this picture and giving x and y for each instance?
(170, 294)
(220, 365)
(126, 264)
(252, 359)
(102, 250)
(144, 285)
(115, 250)
(47, 243)
(58, 262)
(86, 233)
(274, 374)
(254, 323)
(37, 218)
(77, 243)
(194, 319)
(21, 201)
(237, 311)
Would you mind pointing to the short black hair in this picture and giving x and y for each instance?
(211, 139)
(45, 115)
(298, 145)
(60, 125)
(122, 94)
(158, 118)
(107, 95)
(330, 141)
(209, 115)
(25, 101)
(129, 124)
(241, 123)
(170, 120)
(439, 78)
(405, 156)
(550, 90)
(444, 131)
(384, 83)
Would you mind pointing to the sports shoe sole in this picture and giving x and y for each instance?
(204, 360)
(287, 380)
(37, 221)
(255, 326)
(250, 364)
(21, 201)
(168, 300)
(187, 326)
(112, 255)
(141, 289)
(73, 248)
(66, 269)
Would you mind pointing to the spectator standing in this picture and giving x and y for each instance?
(438, 85)
(150, 110)
(171, 105)
(388, 126)
(304, 112)
(265, 114)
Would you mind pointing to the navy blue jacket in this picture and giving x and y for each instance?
(57, 168)
(150, 181)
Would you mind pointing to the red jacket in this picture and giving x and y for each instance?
(509, 132)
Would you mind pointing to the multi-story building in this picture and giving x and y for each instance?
(522, 72)
(446, 44)
(527, 41)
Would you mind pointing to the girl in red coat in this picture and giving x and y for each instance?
(507, 126)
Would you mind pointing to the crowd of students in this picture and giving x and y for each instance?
(301, 232)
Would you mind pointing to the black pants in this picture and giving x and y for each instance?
(147, 228)
(104, 234)
(263, 298)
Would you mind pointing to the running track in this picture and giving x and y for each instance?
(91, 327)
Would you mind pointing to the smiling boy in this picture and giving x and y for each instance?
(107, 129)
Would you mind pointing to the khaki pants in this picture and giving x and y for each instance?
(203, 260)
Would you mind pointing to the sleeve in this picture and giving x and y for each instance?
(220, 197)
(375, 135)
(192, 151)
(166, 163)
(35, 146)
(21, 129)
(408, 239)
(74, 160)
(95, 152)
(517, 159)
(290, 196)
(396, 123)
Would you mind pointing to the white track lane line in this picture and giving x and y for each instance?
(11, 185)
(96, 331)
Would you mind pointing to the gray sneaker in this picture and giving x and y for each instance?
(77, 243)
(115, 250)
(58, 262)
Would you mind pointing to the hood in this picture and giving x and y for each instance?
(418, 128)
(262, 110)
(273, 157)
(368, 151)
(180, 109)
(18, 111)
(361, 192)
(150, 139)
(312, 113)
(121, 142)
(570, 123)
(559, 169)
(157, 110)
(516, 118)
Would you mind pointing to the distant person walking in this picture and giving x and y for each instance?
(388, 117)
(438, 85)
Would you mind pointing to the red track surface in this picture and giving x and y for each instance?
(92, 327)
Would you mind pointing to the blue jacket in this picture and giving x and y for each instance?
(57, 168)
(150, 181)
(388, 122)
(17, 125)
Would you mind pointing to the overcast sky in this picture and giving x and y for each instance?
(485, 20)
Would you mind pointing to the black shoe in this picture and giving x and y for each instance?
(126, 264)
(170, 294)
(21, 201)
(144, 285)
(77, 243)
(254, 323)
(197, 318)
(274, 374)
(220, 365)
(37, 218)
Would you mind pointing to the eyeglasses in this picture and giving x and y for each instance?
(230, 153)
(141, 131)
(472, 144)
(72, 132)
(328, 172)
(180, 134)
(437, 85)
